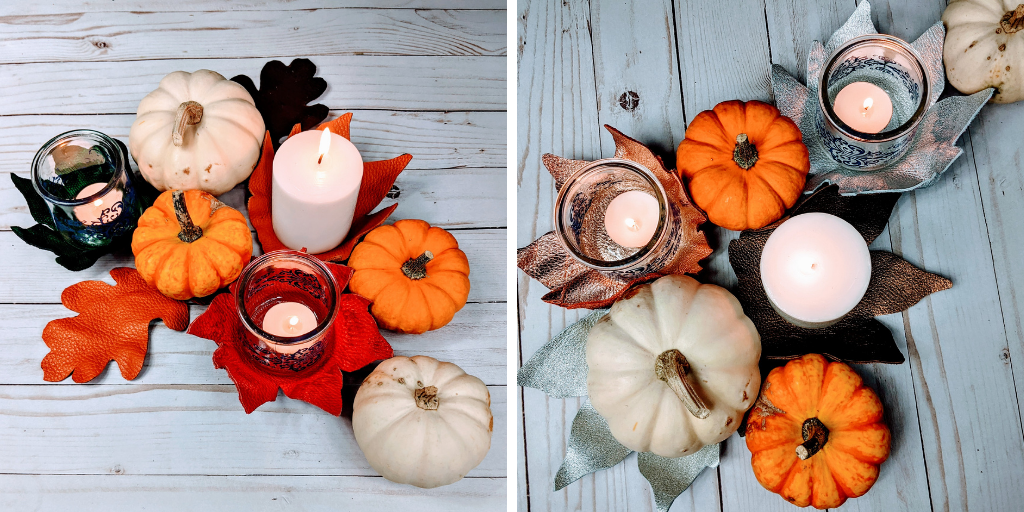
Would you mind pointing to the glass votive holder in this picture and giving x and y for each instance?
(582, 228)
(287, 301)
(895, 67)
(85, 179)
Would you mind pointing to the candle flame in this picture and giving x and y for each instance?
(868, 102)
(98, 202)
(632, 225)
(293, 321)
(325, 144)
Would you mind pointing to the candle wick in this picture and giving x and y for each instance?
(321, 159)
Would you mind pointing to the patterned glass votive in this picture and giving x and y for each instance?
(582, 227)
(895, 67)
(84, 177)
(287, 301)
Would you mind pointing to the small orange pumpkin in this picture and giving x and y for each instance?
(189, 244)
(415, 275)
(816, 433)
(744, 163)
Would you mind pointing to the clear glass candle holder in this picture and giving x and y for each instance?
(580, 224)
(85, 179)
(286, 277)
(895, 67)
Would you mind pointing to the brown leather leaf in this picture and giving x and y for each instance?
(112, 325)
(378, 177)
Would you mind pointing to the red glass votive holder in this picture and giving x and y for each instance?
(292, 277)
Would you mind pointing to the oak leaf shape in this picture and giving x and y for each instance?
(284, 94)
(378, 178)
(112, 325)
(357, 342)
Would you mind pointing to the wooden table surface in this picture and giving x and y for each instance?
(953, 407)
(427, 77)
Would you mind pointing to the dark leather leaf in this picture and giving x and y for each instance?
(284, 95)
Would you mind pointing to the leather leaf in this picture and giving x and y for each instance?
(112, 325)
(378, 178)
(284, 94)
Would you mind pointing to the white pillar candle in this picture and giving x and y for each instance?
(864, 106)
(288, 320)
(315, 187)
(631, 218)
(815, 268)
(99, 211)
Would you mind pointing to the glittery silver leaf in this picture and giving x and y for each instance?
(592, 447)
(931, 151)
(670, 477)
(559, 368)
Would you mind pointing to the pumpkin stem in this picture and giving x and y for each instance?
(426, 398)
(672, 367)
(416, 269)
(815, 435)
(745, 153)
(188, 113)
(1013, 20)
(189, 232)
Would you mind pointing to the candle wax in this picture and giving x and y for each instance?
(864, 106)
(288, 320)
(631, 218)
(815, 268)
(99, 211)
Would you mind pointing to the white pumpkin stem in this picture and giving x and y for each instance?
(189, 231)
(426, 398)
(815, 435)
(672, 367)
(188, 113)
(416, 269)
(1013, 20)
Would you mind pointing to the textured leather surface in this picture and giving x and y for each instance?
(112, 325)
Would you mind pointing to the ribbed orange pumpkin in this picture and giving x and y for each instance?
(816, 433)
(415, 275)
(189, 244)
(744, 163)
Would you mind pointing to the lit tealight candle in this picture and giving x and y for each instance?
(631, 218)
(101, 211)
(289, 320)
(815, 269)
(864, 106)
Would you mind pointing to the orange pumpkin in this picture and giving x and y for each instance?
(744, 163)
(415, 275)
(816, 433)
(189, 244)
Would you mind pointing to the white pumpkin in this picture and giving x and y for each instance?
(985, 47)
(422, 422)
(673, 367)
(197, 131)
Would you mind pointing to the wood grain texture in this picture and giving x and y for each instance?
(63, 6)
(353, 82)
(241, 494)
(132, 36)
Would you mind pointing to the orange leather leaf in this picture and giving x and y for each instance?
(112, 325)
(378, 178)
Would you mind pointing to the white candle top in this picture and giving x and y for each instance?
(98, 211)
(289, 319)
(864, 106)
(815, 267)
(631, 218)
(305, 174)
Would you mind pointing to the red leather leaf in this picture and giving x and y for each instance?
(112, 325)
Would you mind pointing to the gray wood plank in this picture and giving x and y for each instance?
(130, 36)
(186, 430)
(64, 6)
(232, 493)
(353, 82)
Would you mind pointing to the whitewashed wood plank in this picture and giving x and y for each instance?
(129, 36)
(65, 6)
(793, 24)
(522, 481)
(449, 198)
(37, 279)
(242, 494)
(187, 430)
(475, 340)
(437, 140)
(354, 82)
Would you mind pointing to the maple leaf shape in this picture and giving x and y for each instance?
(895, 285)
(575, 285)
(284, 94)
(356, 342)
(112, 325)
(378, 177)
